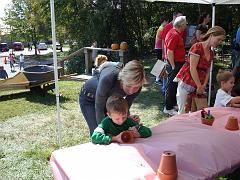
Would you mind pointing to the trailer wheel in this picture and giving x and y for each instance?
(38, 90)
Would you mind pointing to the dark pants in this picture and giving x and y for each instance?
(159, 53)
(87, 105)
(21, 64)
(171, 87)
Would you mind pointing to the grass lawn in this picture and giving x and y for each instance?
(28, 125)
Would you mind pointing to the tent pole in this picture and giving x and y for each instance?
(213, 14)
(211, 67)
(58, 120)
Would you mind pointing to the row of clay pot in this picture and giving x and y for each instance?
(232, 123)
(168, 166)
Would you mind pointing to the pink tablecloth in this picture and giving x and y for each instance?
(203, 152)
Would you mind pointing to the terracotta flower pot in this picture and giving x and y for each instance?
(127, 136)
(208, 122)
(168, 166)
(232, 124)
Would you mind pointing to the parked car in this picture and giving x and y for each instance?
(4, 47)
(58, 46)
(75, 43)
(18, 46)
(42, 46)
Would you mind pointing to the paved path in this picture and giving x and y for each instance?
(7, 67)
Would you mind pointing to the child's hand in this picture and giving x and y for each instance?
(117, 138)
(135, 118)
(135, 131)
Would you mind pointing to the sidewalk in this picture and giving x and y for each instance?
(7, 67)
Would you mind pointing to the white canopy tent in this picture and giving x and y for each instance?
(201, 1)
(213, 3)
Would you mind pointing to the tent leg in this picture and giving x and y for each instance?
(211, 67)
(58, 120)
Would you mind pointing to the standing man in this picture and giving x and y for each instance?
(175, 53)
(166, 29)
(21, 61)
(158, 42)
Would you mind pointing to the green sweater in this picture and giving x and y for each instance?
(107, 128)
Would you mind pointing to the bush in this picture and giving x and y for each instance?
(75, 65)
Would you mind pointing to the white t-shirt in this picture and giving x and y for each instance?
(222, 98)
(21, 58)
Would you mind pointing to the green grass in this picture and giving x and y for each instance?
(28, 126)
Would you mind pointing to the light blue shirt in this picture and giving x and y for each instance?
(238, 35)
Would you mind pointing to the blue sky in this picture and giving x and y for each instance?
(4, 3)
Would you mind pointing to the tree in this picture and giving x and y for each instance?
(28, 21)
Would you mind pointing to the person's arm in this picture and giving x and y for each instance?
(105, 84)
(170, 56)
(235, 102)
(199, 35)
(130, 99)
(101, 138)
(206, 78)
(163, 43)
(135, 117)
(194, 59)
(138, 129)
(117, 138)
(100, 102)
(144, 131)
(98, 137)
(141, 131)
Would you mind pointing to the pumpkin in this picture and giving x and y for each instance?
(123, 46)
(115, 46)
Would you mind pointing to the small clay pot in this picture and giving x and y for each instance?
(168, 166)
(232, 124)
(127, 137)
(208, 122)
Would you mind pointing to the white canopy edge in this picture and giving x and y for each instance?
(201, 1)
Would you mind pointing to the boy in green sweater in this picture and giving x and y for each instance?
(117, 121)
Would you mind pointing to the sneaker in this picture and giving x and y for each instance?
(159, 82)
(171, 112)
(175, 108)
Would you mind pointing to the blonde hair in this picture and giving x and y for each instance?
(224, 76)
(116, 104)
(100, 59)
(132, 73)
(215, 31)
